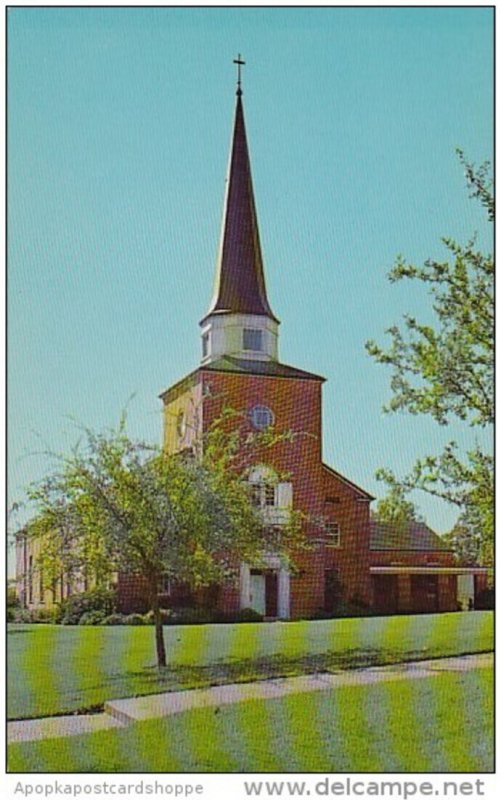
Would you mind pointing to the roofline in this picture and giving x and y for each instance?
(222, 311)
(178, 383)
(307, 376)
(416, 570)
(348, 482)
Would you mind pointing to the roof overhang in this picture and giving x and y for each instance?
(404, 569)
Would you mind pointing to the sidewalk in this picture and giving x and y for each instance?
(118, 713)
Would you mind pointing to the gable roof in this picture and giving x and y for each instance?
(416, 536)
(365, 495)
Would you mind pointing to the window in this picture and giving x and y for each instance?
(41, 585)
(262, 494)
(261, 417)
(30, 580)
(205, 345)
(253, 339)
(332, 534)
(269, 494)
(256, 494)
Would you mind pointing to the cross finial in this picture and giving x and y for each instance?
(238, 61)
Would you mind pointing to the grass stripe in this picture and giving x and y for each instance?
(403, 726)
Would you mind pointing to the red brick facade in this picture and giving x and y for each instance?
(325, 575)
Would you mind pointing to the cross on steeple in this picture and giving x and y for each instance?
(238, 61)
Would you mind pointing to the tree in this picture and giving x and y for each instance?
(465, 541)
(395, 509)
(447, 370)
(119, 505)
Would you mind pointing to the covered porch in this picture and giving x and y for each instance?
(426, 589)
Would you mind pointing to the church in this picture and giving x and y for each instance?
(354, 560)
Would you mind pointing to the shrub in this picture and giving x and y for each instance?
(202, 616)
(165, 613)
(190, 616)
(485, 599)
(12, 598)
(22, 615)
(135, 619)
(44, 615)
(92, 618)
(73, 608)
(114, 619)
(354, 607)
(243, 615)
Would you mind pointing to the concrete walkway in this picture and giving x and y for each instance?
(118, 713)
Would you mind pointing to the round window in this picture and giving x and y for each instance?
(261, 417)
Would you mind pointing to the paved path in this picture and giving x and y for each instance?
(118, 713)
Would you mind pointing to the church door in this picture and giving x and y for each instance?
(271, 602)
(258, 592)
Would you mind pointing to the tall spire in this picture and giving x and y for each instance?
(240, 284)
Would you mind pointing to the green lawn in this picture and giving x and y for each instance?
(57, 669)
(438, 724)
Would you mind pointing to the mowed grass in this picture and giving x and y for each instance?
(59, 669)
(436, 724)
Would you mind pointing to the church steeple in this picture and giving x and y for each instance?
(240, 321)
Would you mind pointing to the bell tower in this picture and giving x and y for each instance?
(239, 322)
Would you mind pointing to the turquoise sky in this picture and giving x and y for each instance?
(119, 127)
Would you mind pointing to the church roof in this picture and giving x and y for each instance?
(249, 367)
(358, 489)
(414, 536)
(241, 366)
(239, 284)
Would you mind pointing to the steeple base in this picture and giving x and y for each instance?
(250, 336)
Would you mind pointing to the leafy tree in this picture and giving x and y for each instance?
(395, 509)
(465, 541)
(447, 370)
(119, 505)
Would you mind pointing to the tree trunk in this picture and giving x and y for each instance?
(159, 630)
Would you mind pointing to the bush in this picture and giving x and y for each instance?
(243, 615)
(44, 615)
(165, 613)
(190, 616)
(135, 619)
(114, 619)
(92, 618)
(12, 598)
(202, 616)
(484, 600)
(73, 608)
(19, 615)
(354, 607)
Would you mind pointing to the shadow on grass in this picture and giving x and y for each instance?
(152, 680)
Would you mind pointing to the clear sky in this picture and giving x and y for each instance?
(119, 126)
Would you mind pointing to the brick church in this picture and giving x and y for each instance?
(354, 560)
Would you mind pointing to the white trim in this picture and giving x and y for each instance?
(283, 599)
(226, 336)
(413, 570)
